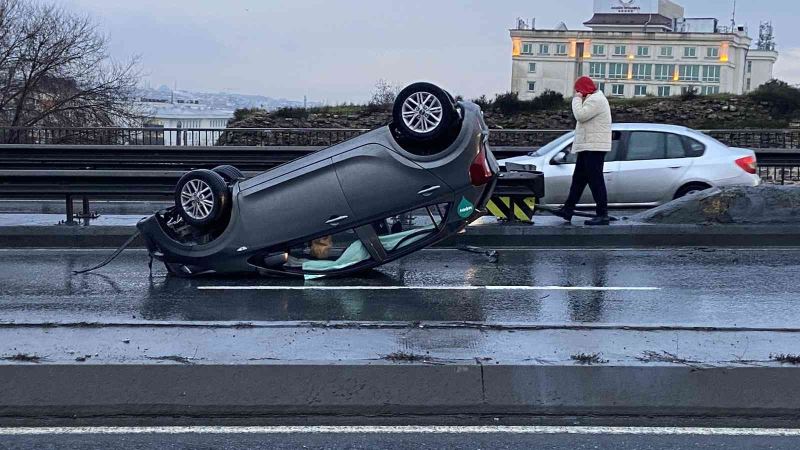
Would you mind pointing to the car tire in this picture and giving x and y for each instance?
(691, 189)
(229, 173)
(202, 198)
(424, 113)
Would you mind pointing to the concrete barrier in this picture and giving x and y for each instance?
(222, 369)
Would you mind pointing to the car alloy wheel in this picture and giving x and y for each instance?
(197, 199)
(422, 112)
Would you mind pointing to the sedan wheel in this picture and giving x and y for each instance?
(202, 198)
(425, 113)
(197, 199)
(422, 112)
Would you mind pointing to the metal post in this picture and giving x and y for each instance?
(87, 215)
(70, 212)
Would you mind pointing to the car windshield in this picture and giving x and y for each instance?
(553, 145)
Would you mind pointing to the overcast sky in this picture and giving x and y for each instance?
(335, 50)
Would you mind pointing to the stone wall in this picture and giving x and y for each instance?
(716, 112)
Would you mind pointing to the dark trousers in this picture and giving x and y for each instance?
(589, 170)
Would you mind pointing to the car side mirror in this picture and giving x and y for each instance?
(560, 158)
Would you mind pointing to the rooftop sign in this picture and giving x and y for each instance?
(626, 6)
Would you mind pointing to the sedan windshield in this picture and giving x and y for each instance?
(552, 145)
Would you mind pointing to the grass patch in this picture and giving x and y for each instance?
(406, 357)
(786, 359)
(22, 357)
(588, 359)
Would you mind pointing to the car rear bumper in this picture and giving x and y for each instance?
(744, 179)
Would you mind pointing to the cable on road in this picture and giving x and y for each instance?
(110, 258)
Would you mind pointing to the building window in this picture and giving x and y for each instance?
(664, 91)
(711, 74)
(642, 71)
(686, 89)
(544, 49)
(620, 50)
(531, 67)
(748, 84)
(597, 70)
(664, 72)
(690, 73)
(561, 49)
(666, 52)
(690, 52)
(618, 89)
(640, 90)
(598, 50)
(643, 52)
(709, 90)
(749, 66)
(617, 71)
(601, 87)
(712, 52)
(527, 48)
(531, 86)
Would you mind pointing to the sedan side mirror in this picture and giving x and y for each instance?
(560, 158)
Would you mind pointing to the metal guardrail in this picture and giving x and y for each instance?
(762, 138)
(176, 137)
(133, 170)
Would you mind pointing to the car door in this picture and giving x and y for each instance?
(558, 177)
(378, 182)
(652, 167)
(298, 204)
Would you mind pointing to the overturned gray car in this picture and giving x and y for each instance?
(344, 209)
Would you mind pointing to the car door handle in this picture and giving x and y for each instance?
(428, 191)
(335, 220)
(675, 167)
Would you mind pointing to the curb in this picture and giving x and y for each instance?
(63, 236)
(375, 388)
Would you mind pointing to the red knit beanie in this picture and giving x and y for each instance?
(585, 86)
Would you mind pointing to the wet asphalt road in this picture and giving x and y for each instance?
(712, 287)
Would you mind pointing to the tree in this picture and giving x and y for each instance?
(384, 93)
(55, 70)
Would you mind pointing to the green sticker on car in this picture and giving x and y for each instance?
(465, 208)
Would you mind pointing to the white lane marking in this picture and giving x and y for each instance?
(425, 288)
(654, 431)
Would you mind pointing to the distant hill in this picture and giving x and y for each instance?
(220, 100)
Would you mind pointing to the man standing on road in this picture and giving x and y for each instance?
(592, 143)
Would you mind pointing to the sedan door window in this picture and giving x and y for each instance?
(646, 145)
(694, 149)
(675, 148)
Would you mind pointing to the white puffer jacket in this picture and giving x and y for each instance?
(593, 132)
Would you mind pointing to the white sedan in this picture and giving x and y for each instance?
(648, 165)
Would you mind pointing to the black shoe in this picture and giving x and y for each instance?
(599, 220)
(565, 213)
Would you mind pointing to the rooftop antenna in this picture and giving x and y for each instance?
(733, 17)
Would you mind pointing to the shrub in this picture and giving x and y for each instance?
(509, 103)
(548, 100)
(243, 113)
(291, 113)
(483, 102)
(784, 98)
(691, 93)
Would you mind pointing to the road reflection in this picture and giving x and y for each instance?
(166, 299)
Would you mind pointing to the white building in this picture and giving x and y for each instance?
(636, 48)
(197, 123)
